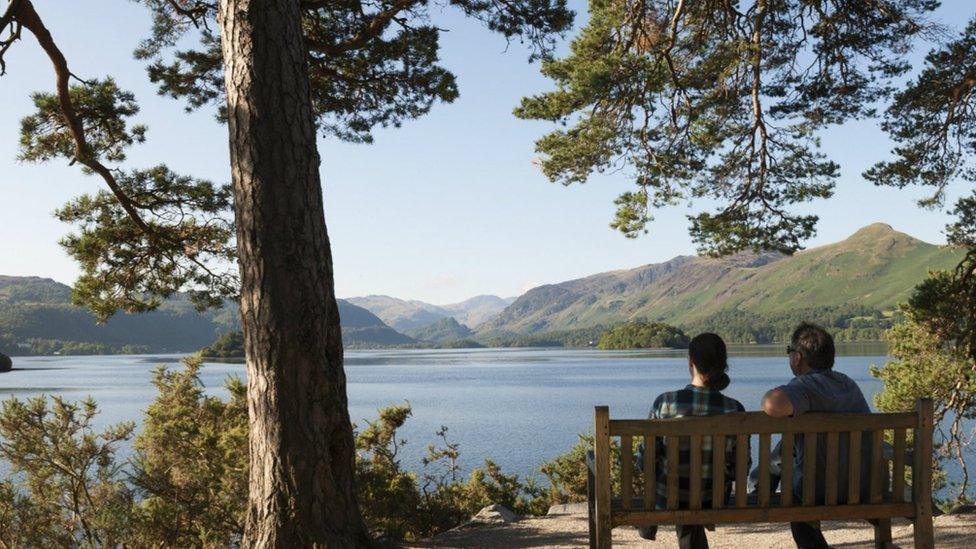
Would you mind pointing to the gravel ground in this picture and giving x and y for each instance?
(569, 530)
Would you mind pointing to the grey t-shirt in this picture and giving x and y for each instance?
(823, 391)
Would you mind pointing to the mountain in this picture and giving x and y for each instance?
(476, 310)
(869, 273)
(408, 315)
(37, 317)
(447, 329)
(361, 328)
(400, 314)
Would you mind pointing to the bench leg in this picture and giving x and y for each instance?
(882, 534)
(603, 539)
(924, 535)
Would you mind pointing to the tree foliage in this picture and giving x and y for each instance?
(925, 367)
(933, 123)
(720, 101)
(153, 232)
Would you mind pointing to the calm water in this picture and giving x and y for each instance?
(519, 407)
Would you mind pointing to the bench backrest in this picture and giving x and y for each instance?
(634, 502)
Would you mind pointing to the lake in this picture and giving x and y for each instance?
(518, 407)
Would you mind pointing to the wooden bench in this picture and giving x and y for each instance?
(886, 481)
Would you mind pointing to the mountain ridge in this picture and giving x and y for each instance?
(876, 267)
(408, 315)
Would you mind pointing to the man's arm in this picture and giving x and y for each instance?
(777, 403)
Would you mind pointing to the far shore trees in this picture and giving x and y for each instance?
(278, 73)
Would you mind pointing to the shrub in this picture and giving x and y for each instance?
(70, 491)
(190, 468)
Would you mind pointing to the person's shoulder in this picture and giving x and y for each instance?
(832, 378)
(666, 403)
(666, 397)
(842, 377)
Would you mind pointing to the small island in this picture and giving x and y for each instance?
(642, 334)
(5, 363)
(227, 346)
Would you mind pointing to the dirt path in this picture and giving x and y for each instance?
(955, 531)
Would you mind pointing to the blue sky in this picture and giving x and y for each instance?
(444, 208)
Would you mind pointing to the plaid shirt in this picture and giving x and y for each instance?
(693, 401)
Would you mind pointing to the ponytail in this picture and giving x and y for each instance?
(710, 357)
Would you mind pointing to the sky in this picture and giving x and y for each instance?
(444, 208)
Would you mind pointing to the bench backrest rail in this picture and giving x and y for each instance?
(879, 496)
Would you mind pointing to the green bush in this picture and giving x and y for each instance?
(190, 468)
(400, 505)
(65, 486)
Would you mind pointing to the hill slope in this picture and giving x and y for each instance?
(361, 328)
(447, 329)
(873, 270)
(37, 317)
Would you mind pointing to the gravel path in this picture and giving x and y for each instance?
(952, 531)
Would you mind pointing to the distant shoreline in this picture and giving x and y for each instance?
(844, 348)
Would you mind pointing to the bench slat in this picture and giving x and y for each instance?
(854, 468)
(718, 471)
(898, 469)
(786, 459)
(626, 470)
(650, 470)
(695, 472)
(741, 469)
(765, 457)
(809, 468)
(877, 464)
(748, 423)
(672, 452)
(830, 474)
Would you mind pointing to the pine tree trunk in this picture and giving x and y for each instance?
(301, 447)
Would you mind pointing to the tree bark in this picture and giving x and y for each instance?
(301, 446)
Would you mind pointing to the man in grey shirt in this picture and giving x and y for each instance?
(816, 387)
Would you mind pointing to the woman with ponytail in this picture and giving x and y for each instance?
(708, 368)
